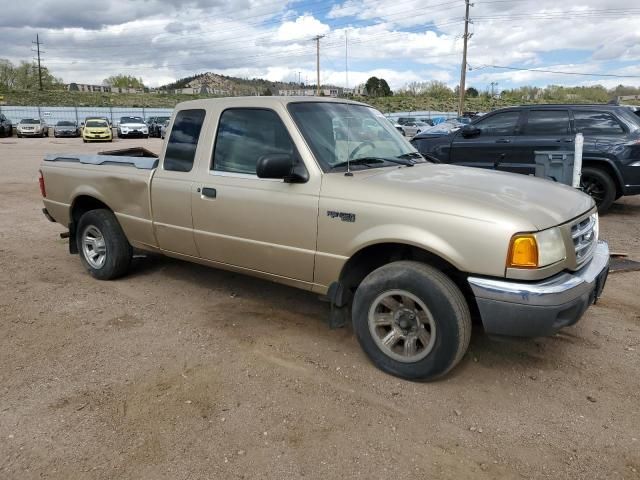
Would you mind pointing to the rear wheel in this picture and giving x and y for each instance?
(104, 249)
(411, 320)
(599, 184)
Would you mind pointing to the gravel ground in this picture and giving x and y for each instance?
(182, 372)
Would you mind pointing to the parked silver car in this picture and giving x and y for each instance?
(163, 128)
(414, 127)
(32, 127)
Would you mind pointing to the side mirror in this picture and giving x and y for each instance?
(470, 131)
(281, 166)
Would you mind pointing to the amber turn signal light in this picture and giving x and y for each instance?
(523, 252)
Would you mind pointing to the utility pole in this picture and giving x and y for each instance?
(346, 59)
(317, 39)
(493, 84)
(37, 44)
(463, 70)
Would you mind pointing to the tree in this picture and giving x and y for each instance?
(123, 81)
(472, 92)
(25, 77)
(384, 89)
(377, 87)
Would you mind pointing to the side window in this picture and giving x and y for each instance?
(504, 123)
(181, 148)
(596, 123)
(548, 122)
(245, 135)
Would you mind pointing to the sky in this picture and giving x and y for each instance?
(401, 41)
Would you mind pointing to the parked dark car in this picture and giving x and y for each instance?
(155, 124)
(66, 128)
(507, 140)
(6, 128)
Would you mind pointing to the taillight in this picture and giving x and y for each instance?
(43, 190)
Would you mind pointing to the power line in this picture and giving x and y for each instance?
(584, 74)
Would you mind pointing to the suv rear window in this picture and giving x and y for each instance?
(548, 122)
(596, 123)
(181, 148)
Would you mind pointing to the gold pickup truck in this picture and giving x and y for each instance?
(325, 195)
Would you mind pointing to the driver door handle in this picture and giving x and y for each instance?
(209, 192)
(503, 140)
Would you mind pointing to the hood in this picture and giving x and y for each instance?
(529, 203)
(133, 125)
(65, 128)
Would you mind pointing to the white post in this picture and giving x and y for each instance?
(577, 160)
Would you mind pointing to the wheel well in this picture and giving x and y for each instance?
(606, 167)
(372, 257)
(83, 204)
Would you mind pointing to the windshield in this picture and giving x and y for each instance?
(341, 132)
(63, 123)
(96, 124)
(632, 120)
(131, 120)
(30, 121)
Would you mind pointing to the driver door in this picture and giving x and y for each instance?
(259, 224)
(492, 146)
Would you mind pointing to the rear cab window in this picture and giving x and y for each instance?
(183, 140)
(244, 136)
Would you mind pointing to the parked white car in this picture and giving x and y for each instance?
(32, 127)
(132, 127)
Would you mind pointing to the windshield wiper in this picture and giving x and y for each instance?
(412, 155)
(368, 160)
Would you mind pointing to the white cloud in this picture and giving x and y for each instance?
(402, 41)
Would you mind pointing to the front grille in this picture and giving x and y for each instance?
(585, 237)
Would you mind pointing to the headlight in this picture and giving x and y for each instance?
(535, 250)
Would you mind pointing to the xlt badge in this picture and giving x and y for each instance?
(345, 217)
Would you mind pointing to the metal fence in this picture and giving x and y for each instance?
(52, 115)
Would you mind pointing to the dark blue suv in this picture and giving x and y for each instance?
(506, 139)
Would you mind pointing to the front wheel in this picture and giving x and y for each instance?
(104, 249)
(411, 320)
(599, 184)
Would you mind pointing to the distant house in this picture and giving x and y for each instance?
(84, 87)
(310, 92)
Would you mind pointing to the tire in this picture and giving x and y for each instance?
(84, 140)
(599, 184)
(411, 287)
(146, 136)
(19, 136)
(99, 231)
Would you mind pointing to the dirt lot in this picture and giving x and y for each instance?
(182, 372)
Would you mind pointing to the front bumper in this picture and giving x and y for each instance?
(131, 133)
(536, 309)
(92, 137)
